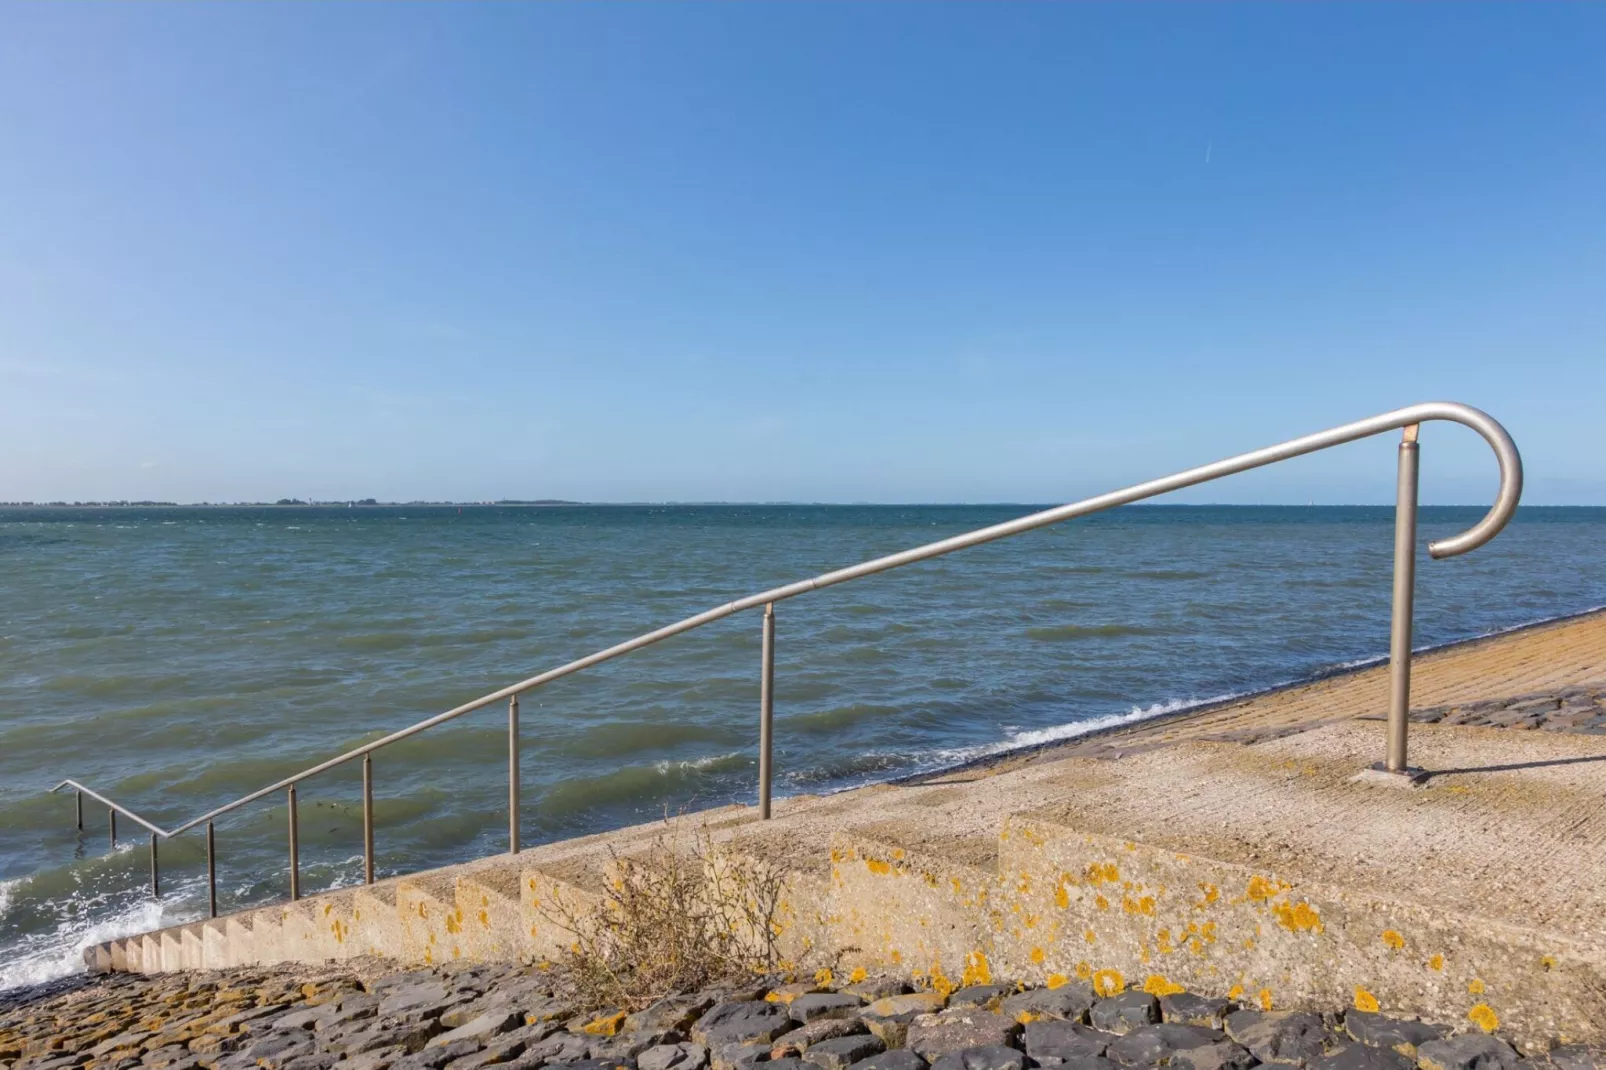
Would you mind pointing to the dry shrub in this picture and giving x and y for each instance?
(681, 917)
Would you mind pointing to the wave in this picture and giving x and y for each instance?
(81, 922)
(1062, 633)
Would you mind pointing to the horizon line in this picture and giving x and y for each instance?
(555, 503)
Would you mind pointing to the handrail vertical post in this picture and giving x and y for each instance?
(80, 804)
(211, 871)
(111, 821)
(295, 850)
(513, 775)
(766, 714)
(156, 886)
(1404, 598)
(368, 818)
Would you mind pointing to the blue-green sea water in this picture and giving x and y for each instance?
(176, 659)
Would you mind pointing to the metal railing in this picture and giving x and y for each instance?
(1409, 418)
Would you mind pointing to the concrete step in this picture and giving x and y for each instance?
(908, 898)
(1120, 912)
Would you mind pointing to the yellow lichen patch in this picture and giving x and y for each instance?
(1036, 956)
(1090, 936)
(1028, 1017)
(1157, 985)
(876, 866)
(1210, 893)
(1394, 941)
(1484, 1017)
(1476, 987)
(822, 978)
(1084, 970)
(1108, 982)
(1235, 992)
(1143, 905)
(1298, 917)
(897, 853)
(1263, 888)
(1101, 873)
(857, 975)
(1265, 999)
(1162, 942)
(897, 956)
(978, 971)
(1062, 898)
(1102, 903)
(956, 884)
(1365, 1001)
(607, 1025)
(454, 922)
(485, 919)
(1547, 962)
(1057, 980)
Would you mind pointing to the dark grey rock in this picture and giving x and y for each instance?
(1282, 1036)
(1222, 1055)
(1051, 1042)
(1381, 1031)
(1362, 1057)
(545, 1009)
(747, 1022)
(683, 1056)
(738, 1056)
(560, 1048)
(480, 1029)
(890, 1017)
(1468, 1051)
(839, 1053)
(309, 1018)
(900, 1059)
(321, 1060)
(958, 1028)
(1185, 1008)
(674, 1014)
(1577, 1057)
(993, 1057)
(987, 996)
(276, 1049)
(874, 988)
(436, 1058)
(374, 1059)
(413, 997)
(1070, 1002)
(825, 1005)
(798, 1040)
(630, 1045)
(1151, 1044)
(601, 1064)
(787, 1063)
(1130, 1010)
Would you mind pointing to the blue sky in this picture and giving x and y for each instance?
(787, 252)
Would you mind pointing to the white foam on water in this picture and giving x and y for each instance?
(694, 764)
(1016, 739)
(45, 956)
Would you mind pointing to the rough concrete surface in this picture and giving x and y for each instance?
(1227, 852)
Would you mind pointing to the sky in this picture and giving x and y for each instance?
(785, 252)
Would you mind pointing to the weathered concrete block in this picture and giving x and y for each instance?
(1122, 914)
(912, 910)
(376, 925)
(493, 924)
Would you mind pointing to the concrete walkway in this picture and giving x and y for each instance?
(1227, 852)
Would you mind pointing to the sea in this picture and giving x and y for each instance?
(175, 659)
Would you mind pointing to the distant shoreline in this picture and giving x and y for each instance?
(560, 503)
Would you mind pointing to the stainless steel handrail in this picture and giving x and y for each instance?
(1409, 418)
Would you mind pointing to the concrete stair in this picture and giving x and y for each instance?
(1259, 871)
